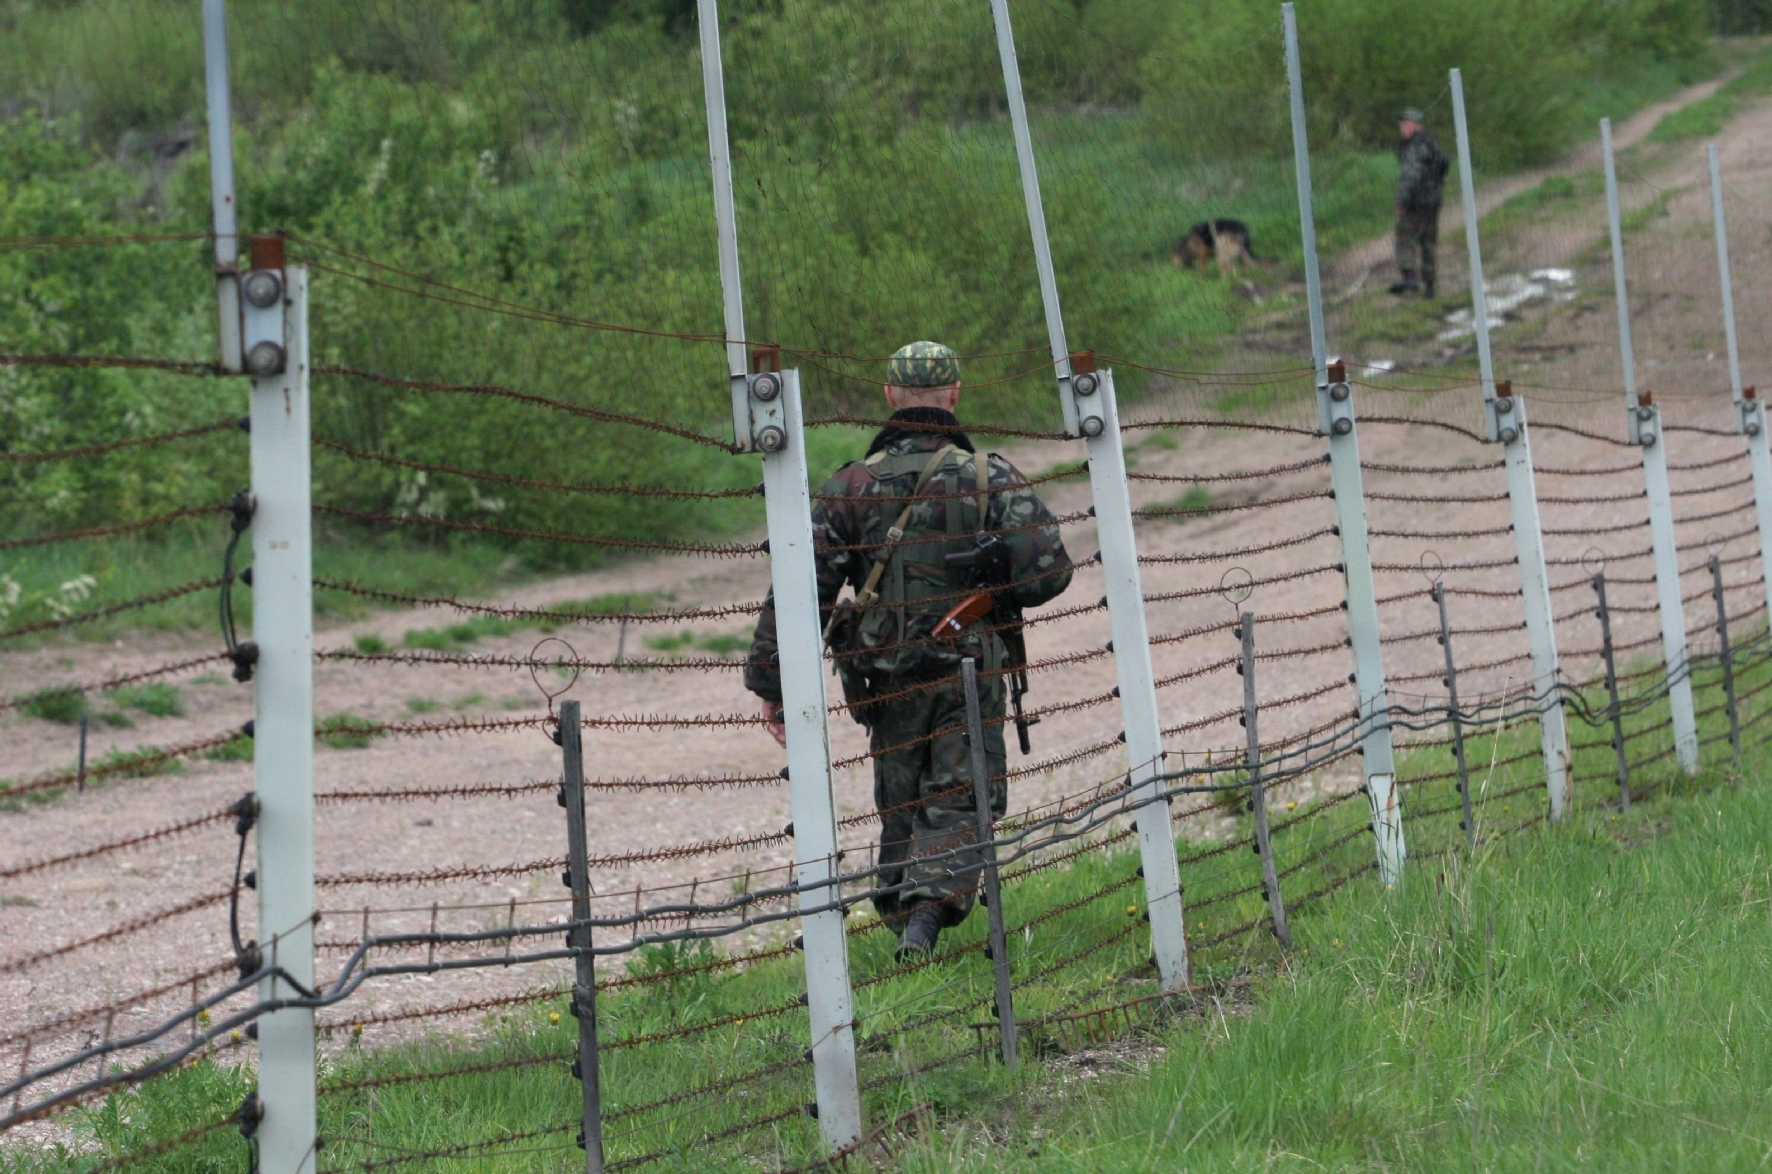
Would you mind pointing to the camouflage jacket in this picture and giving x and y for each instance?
(851, 514)
(1421, 172)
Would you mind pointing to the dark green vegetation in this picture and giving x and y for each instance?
(554, 156)
(1590, 993)
(1706, 117)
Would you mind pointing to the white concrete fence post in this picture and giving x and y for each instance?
(767, 419)
(1504, 415)
(1335, 414)
(1086, 398)
(1643, 425)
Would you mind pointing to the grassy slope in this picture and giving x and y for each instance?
(1588, 992)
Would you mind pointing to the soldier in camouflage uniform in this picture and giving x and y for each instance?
(922, 776)
(1421, 179)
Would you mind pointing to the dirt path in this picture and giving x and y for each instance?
(425, 829)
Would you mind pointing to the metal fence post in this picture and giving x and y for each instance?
(1504, 415)
(1335, 413)
(1612, 707)
(993, 890)
(767, 419)
(1726, 657)
(1086, 397)
(1264, 845)
(283, 716)
(1644, 427)
(1750, 411)
(1469, 823)
(584, 988)
(223, 214)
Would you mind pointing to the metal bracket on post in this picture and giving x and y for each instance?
(1643, 423)
(223, 212)
(1335, 413)
(1504, 422)
(1750, 410)
(584, 988)
(1086, 398)
(1264, 845)
(283, 717)
(993, 889)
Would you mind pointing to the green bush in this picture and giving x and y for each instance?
(157, 699)
(54, 705)
(346, 731)
(141, 763)
(239, 750)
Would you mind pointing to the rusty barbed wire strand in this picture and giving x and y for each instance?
(1231, 507)
(140, 760)
(1730, 512)
(176, 366)
(1223, 555)
(166, 519)
(1593, 471)
(1266, 581)
(1704, 489)
(486, 725)
(496, 391)
(1700, 429)
(88, 450)
(74, 1018)
(708, 1089)
(1598, 437)
(1436, 674)
(98, 613)
(330, 1088)
(1586, 531)
(1430, 535)
(531, 482)
(1227, 714)
(197, 1133)
(15, 244)
(1233, 425)
(17, 870)
(1212, 478)
(1440, 499)
(14, 965)
(1442, 425)
(487, 1147)
(534, 613)
(499, 660)
(664, 546)
(1430, 470)
(937, 429)
(1212, 378)
(165, 670)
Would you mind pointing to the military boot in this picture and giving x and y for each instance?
(920, 933)
(1408, 284)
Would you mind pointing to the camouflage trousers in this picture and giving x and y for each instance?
(1417, 239)
(923, 791)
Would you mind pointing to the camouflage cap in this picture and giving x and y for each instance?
(1412, 114)
(923, 364)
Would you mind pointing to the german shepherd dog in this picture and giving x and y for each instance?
(1223, 240)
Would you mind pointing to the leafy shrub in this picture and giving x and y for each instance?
(141, 763)
(239, 750)
(370, 644)
(55, 705)
(157, 699)
(346, 731)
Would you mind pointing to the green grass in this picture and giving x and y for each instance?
(157, 699)
(346, 731)
(239, 750)
(1590, 994)
(1707, 117)
(55, 705)
(143, 762)
(675, 644)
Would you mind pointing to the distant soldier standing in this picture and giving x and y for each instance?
(927, 544)
(1421, 180)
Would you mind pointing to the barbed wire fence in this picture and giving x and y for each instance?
(845, 1036)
